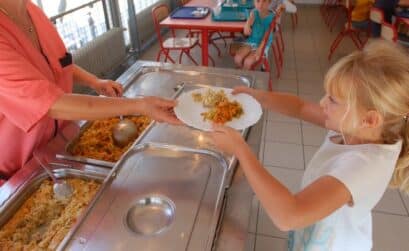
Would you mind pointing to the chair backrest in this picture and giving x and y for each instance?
(376, 15)
(271, 29)
(388, 32)
(159, 13)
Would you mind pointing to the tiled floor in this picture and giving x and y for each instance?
(289, 143)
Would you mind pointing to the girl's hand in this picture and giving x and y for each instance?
(227, 139)
(247, 30)
(108, 88)
(258, 54)
(161, 110)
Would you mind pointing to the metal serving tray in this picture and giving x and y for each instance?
(31, 185)
(163, 197)
(153, 80)
(163, 81)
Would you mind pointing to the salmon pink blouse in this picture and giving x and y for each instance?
(30, 82)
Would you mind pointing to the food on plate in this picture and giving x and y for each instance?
(42, 222)
(96, 141)
(221, 109)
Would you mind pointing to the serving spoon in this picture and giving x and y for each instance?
(124, 131)
(62, 190)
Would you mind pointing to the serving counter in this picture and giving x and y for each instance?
(172, 190)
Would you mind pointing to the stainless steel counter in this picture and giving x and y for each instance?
(233, 224)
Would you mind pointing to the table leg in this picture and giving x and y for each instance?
(205, 47)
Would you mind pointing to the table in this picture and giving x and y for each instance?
(204, 25)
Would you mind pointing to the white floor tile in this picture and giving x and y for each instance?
(312, 87)
(285, 85)
(254, 215)
(313, 135)
(264, 243)
(290, 178)
(283, 155)
(313, 77)
(405, 199)
(309, 152)
(274, 116)
(250, 242)
(390, 232)
(283, 132)
(392, 203)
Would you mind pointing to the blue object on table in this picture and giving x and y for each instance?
(190, 12)
(402, 12)
(249, 4)
(228, 14)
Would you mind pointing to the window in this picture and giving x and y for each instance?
(78, 27)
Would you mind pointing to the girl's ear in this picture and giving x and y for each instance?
(372, 119)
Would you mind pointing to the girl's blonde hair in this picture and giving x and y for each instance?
(377, 78)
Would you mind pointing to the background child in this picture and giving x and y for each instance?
(360, 14)
(256, 26)
(365, 108)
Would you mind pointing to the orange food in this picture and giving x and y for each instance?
(96, 142)
(223, 112)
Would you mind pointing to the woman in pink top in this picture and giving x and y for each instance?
(36, 76)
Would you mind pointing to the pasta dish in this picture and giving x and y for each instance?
(96, 141)
(221, 109)
(42, 222)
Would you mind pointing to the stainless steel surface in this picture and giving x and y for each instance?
(150, 215)
(124, 131)
(229, 231)
(29, 186)
(192, 180)
(74, 132)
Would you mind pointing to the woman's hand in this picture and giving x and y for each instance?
(108, 88)
(161, 110)
(227, 139)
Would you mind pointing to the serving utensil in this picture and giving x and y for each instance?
(124, 131)
(62, 190)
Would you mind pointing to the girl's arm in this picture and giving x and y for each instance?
(287, 104)
(101, 86)
(85, 107)
(249, 23)
(288, 211)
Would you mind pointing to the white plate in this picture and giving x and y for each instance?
(188, 111)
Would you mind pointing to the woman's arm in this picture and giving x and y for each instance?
(287, 104)
(85, 107)
(288, 211)
(101, 86)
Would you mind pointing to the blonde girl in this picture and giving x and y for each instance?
(365, 109)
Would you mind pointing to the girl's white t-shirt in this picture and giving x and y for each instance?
(366, 171)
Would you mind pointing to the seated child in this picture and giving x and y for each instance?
(256, 26)
(360, 14)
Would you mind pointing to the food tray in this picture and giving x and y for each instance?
(249, 4)
(190, 12)
(70, 147)
(148, 203)
(228, 14)
(30, 186)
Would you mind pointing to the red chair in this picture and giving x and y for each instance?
(182, 44)
(350, 31)
(264, 60)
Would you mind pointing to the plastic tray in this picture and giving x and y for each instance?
(190, 12)
(249, 4)
(228, 14)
